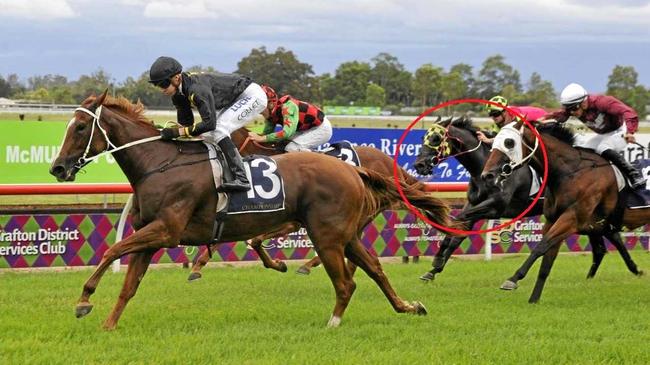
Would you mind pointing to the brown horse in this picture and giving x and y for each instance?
(581, 196)
(176, 201)
(370, 157)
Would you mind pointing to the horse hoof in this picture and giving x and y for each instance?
(194, 276)
(83, 309)
(334, 322)
(282, 267)
(303, 270)
(427, 277)
(509, 285)
(420, 309)
(640, 273)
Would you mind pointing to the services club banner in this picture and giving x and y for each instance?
(51, 240)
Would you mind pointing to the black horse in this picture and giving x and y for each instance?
(457, 138)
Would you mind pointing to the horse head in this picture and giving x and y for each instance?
(84, 137)
(507, 154)
(93, 130)
(444, 139)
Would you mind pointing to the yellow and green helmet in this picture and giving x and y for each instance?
(494, 110)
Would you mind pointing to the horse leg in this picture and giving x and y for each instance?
(305, 269)
(269, 263)
(201, 262)
(357, 253)
(447, 248)
(598, 251)
(344, 286)
(138, 264)
(151, 237)
(553, 233)
(544, 271)
(616, 239)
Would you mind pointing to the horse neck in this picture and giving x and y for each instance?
(472, 161)
(136, 160)
(559, 157)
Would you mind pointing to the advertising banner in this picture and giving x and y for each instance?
(27, 150)
(55, 240)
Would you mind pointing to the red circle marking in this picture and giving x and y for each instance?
(454, 230)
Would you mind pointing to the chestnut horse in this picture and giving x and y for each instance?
(177, 198)
(581, 193)
(370, 157)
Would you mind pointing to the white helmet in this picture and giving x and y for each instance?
(573, 94)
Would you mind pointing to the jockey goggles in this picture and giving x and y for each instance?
(163, 84)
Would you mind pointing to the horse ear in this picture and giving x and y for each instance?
(100, 99)
(519, 124)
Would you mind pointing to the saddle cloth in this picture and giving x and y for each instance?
(344, 151)
(267, 186)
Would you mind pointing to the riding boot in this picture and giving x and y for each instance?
(236, 165)
(636, 179)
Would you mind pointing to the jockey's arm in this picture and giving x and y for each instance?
(290, 116)
(203, 99)
(184, 114)
(625, 113)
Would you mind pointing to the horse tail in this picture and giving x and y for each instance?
(382, 194)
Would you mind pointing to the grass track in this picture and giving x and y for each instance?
(246, 315)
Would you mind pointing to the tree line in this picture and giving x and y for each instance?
(383, 82)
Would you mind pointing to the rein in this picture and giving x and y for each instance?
(255, 143)
(110, 147)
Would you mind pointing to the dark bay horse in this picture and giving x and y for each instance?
(457, 138)
(581, 195)
(176, 201)
(370, 157)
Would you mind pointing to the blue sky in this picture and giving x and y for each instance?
(564, 40)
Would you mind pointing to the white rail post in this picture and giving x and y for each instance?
(120, 229)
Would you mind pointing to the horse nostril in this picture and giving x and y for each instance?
(488, 176)
(57, 170)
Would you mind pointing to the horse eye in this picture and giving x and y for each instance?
(80, 127)
(435, 139)
(509, 143)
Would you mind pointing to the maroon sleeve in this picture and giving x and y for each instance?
(559, 115)
(612, 106)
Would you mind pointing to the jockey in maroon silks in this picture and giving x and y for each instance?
(303, 125)
(613, 121)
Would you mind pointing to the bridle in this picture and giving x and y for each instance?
(511, 166)
(443, 149)
(110, 147)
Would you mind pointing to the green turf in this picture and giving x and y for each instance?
(247, 315)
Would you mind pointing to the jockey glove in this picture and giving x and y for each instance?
(167, 134)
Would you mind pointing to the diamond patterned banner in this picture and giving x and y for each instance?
(44, 240)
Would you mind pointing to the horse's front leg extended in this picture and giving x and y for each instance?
(489, 208)
(138, 264)
(153, 236)
(553, 234)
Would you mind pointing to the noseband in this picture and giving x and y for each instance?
(110, 147)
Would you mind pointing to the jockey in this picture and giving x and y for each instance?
(613, 122)
(225, 103)
(303, 125)
(502, 117)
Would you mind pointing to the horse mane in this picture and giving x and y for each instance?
(465, 122)
(559, 131)
(124, 106)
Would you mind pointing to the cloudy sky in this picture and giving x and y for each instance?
(564, 40)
